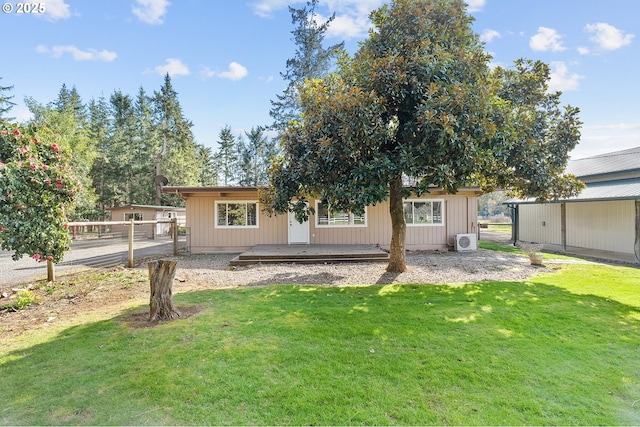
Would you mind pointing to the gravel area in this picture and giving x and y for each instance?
(213, 271)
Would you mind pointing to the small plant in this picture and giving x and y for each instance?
(22, 300)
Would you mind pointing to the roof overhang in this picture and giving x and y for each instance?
(628, 189)
(212, 191)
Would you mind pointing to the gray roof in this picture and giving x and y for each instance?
(604, 164)
(622, 189)
(610, 176)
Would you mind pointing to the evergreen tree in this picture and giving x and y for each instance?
(178, 154)
(227, 157)
(146, 145)
(122, 136)
(206, 167)
(254, 158)
(98, 133)
(5, 102)
(311, 61)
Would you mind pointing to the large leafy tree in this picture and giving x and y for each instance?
(37, 189)
(416, 107)
(67, 117)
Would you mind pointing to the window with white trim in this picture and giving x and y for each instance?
(237, 214)
(327, 217)
(422, 212)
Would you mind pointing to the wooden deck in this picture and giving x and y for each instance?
(310, 254)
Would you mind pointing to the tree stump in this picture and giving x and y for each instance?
(161, 276)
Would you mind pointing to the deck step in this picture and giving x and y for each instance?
(239, 260)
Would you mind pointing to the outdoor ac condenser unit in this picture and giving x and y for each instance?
(466, 243)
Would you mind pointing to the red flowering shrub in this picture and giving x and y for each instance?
(32, 211)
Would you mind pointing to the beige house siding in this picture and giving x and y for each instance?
(460, 217)
(540, 223)
(608, 226)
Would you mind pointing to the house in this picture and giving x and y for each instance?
(230, 219)
(604, 217)
(147, 213)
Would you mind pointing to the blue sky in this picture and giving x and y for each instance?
(225, 56)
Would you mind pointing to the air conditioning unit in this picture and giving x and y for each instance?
(466, 243)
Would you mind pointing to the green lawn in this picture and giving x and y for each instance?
(501, 228)
(561, 349)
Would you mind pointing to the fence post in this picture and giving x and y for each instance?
(131, 225)
(174, 233)
(51, 272)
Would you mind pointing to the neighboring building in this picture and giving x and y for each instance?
(603, 217)
(147, 213)
(230, 219)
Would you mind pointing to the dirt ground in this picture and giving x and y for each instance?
(74, 299)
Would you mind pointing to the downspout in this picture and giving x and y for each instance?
(563, 227)
(637, 243)
(514, 222)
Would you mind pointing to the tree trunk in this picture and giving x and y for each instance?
(397, 260)
(161, 276)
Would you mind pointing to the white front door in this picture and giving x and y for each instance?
(159, 225)
(298, 233)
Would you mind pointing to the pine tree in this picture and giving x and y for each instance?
(98, 133)
(177, 159)
(227, 157)
(206, 167)
(254, 158)
(311, 61)
(145, 147)
(5, 102)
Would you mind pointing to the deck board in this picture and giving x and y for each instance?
(311, 254)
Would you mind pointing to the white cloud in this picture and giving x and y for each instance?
(584, 50)
(561, 79)
(546, 39)
(489, 35)
(346, 26)
(150, 11)
(235, 72)
(608, 37)
(475, 5)
(207, 73)
(173, 67)
(56, 9)
(265, 8)
(78, 54)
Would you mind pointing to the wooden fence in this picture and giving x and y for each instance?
(130, 227)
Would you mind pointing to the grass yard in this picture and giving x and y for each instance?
(500, 228)
(561, 349)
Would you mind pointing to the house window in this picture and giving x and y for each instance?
(237, 214)
(136, 216)
(424, 212)
(327, 217)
